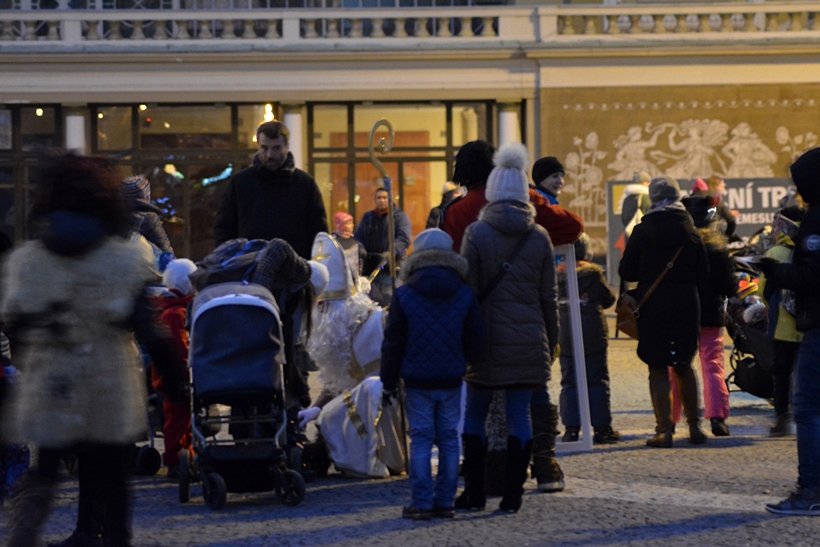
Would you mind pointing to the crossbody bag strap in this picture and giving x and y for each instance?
(505, 267)
(669, 266)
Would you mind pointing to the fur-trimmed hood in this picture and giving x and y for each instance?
(434, 273)
(434, 257)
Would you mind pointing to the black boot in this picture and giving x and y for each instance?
(475, 451)
(688, 387)
(545, 468)
(518, 460)
(662, 405)
(29, 509)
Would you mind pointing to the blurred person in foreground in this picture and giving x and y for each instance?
(73, 298)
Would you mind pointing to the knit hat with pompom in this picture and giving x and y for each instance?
(508, 180)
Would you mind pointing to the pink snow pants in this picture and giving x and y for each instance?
(715, 392)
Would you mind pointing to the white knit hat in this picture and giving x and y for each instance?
(176, 275)
(432, 239)
(508, 180)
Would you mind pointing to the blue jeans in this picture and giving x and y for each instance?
(517, 410)
(806, 404)
(433, 415)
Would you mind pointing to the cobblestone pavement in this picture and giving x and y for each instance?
(621, 494)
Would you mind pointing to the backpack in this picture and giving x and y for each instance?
(436, 216)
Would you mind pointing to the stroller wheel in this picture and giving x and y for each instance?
(148, 461)
(214, 491)
(292, 491)
(184, 476)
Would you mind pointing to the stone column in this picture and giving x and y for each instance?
(75, 129)
(509, 123)
(294, 120)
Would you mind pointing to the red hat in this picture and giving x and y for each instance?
(340, 218)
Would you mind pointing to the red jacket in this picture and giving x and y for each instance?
(174, 315)
(562, 225)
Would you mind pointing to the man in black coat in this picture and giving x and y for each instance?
(801, 276)
(272, 198)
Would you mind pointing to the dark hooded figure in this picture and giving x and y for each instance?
(802, 276)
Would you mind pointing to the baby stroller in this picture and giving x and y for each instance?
(752, 357)
(236, 360)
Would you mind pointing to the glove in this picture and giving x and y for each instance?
(363, 284)
(388, 396)
(767, 265)
(319, 276)
(307, 415)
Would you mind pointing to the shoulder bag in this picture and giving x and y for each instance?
(628, 308)
(505, 267)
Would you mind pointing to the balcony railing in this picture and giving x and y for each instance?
(44, 30)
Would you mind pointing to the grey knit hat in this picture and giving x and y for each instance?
(663, 187)
(137, 187)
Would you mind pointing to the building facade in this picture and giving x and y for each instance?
(174, 89)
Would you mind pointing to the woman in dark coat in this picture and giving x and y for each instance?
(669, 321)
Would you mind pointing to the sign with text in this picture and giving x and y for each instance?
(753, 201)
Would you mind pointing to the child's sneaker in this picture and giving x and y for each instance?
(606, 436)
(801, 502)
(571, 434)
(414, 513)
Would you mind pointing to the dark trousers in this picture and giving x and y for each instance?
(785, 355)
(105, 497)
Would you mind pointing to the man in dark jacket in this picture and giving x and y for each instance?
(372, 233)
(272, 198)
(802, 276)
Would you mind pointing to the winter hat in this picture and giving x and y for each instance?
(546, 167)
(319, 276)
(581, 246)
(340, 218)
(137, 187)
(432, 239)
(508, 179)
(663, 187)
(176, 275)
(701, 208)
(806, 175)
(700, 187)
(641, 177)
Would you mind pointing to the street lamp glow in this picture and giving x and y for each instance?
(39, 112)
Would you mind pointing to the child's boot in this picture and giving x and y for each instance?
(545, 468)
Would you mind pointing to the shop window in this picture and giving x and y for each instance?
(6, 141)
(114, 129)
(249, 116)
(38, 128)
(200, 127)
(428, 123)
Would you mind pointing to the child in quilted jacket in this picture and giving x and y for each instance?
(433, 328)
